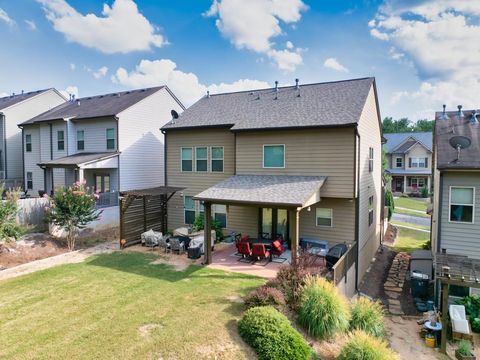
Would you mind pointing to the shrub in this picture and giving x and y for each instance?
(424, 192)
(8, 214)
(362, 346)
(389, 203)
(264, 296)
(271, 335)
(367, 315)
(464, 348)
(323, 310)
(472, 308)
(290, 280)
(199, 224)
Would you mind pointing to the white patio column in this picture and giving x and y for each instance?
(295, 233)
(429, 183)
(81, 175)
(207, 240)
(405, 183)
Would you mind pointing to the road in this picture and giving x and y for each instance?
(409, 219)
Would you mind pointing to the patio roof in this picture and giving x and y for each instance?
(272, 190)
(77, 160)
(409, 172)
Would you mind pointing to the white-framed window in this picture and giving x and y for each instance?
(60, 140)
(188, 210)
(370, 210)
(418, 162)
(110, 139)
(201, 159)
(217, 159)
(220, 214)
(324, 217)
(80, 139)
(462, 204)
(370, 159)
(399, 162)
(28, 142)
(416, 182)
(274, 156)
(187, 158)
(29, 180)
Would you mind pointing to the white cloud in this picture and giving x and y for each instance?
(332, 63)
(5, 18)
(100, 72)
(72, 66)
(440, 39)
(120, 29)
(252, 24)
(70, 90)
(31, 24)
(186, 86)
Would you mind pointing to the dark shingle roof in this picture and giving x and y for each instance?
(454, 126)
(95, 106)
(337, 103)
(8, 101)
(395, 139)
(405, 146)
(78, 159)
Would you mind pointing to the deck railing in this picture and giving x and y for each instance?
(340, 269)
(107, 199)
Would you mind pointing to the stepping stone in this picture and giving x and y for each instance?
(393, 302)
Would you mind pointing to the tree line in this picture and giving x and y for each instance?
(402, 125)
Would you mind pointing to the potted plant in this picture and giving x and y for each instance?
(464, 351)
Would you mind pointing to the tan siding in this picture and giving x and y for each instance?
(195, 182)
(370, 183)
(326, 152)
(418, 151)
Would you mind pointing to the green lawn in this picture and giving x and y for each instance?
(412, 213)
(120, 306)
(416, 226)
(410, 240)
(411, 203)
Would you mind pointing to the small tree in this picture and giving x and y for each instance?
(73, 208)
(8, 215)
(389, 203)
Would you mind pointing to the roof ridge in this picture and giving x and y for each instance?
(26, 93)
(121, 92)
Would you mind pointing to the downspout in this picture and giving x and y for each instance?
(51, 157)
(23, 159)
(357, 201)
(165, 149)
(118, 151)
(4, 153)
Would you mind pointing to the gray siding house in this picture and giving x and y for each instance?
(409, 157)
(456, 200)
(13, 110)
(296, 162)
(111, 141)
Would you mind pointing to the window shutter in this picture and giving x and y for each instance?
(426, 162)
(409, 162)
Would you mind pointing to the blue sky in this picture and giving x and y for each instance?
(423, 53)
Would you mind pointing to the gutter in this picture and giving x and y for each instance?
(357, 202)
(5, 163)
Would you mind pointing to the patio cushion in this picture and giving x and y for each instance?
(459, 319)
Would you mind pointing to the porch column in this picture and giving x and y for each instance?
(429, 183)
(405, 183)
(295, 233)
(207, 244)
(81, 175)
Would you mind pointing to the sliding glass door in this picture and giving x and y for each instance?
(273, 223)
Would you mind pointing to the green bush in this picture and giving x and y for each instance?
(464, 348)
(472, 308)
(389, 203)
(8, 215)
(424, 192)
(362, 346)
(323, 310)
(264, 296)
(199, 224)
(271, 335)
(367, 315)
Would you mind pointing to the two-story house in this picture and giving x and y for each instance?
(456, 200)
(14, 109)
(296, 162)
(111, 141)
(409, 157)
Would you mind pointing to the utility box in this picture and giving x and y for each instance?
(422, 262)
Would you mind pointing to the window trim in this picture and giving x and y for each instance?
(114, 139)
(205, 159)
(58, 140)
(370, 158)
(331, 218)
(396, 162)
(76, 139)
(28, 136)
(372, 210)
(29, 180)
(181, 159)
(274, 167)
(419, 159)
(450, 204)
(214, 212)
(222, 159)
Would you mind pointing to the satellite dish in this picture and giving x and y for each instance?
(174, 114)
(460, 142)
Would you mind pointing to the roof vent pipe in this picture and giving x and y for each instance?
(460, 112)
(78, 102)
(444, 113)
(208, 93)
(473, 119)
(276, 85)
(296, 84)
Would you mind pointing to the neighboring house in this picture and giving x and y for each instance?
(298, 161)
(13, 110)
(456, 200)
(111, 141)
(409, 157)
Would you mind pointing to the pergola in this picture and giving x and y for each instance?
(454, 270)
(141, 210)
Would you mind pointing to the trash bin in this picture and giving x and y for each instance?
(419, 284)
(422, 261)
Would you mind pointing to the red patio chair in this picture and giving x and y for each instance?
(260, 252)
(245, 251)
(277, 250)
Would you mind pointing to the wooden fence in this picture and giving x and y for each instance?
(32, 212)
(342, 266)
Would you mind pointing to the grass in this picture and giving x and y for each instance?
(416, 226)
(121, 306)
(412, 213)
(410, 240)
(411, 203)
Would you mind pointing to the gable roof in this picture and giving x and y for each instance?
(334, 104)
(95, 106)
(10, 100)
(395, 140)
(454, 126)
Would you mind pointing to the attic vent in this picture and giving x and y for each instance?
(444, 113)
(460, 112)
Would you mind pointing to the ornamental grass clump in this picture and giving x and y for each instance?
(271, 335)
(264, 296)
(362, 346)
(367, 315)
(73, 208)
(323, 310)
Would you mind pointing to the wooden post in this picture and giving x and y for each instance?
(208, 234)
(295, 234)
(144, 213)
(445, 289)
(122, 226)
